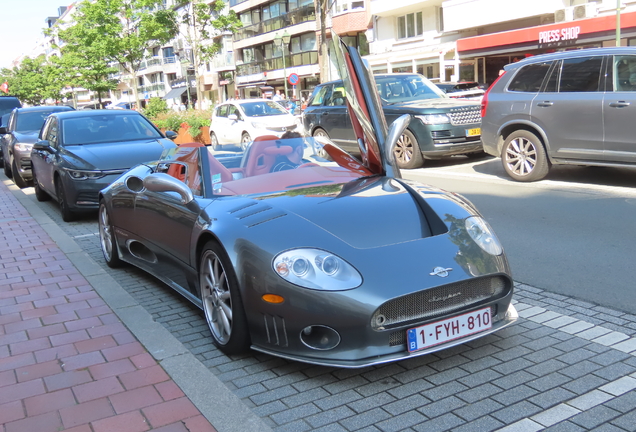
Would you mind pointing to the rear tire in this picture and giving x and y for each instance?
(7, 170)
(407, 151)
(222, 303)
(40, 195)
(318, 132)
(523, 157)
(17, 178)
(67, 214)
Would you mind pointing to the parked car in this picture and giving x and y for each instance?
(465, 90)
(309, 263)
(7, 103)
(240, 121)
(573, 107)
(81, 152)
(441, 126)
(18, 137)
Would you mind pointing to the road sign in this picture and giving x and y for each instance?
(293, 79)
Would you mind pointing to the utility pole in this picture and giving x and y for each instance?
(618, 23)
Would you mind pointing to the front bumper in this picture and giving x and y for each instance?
(84, 194)
(510, 317)
(23, 163)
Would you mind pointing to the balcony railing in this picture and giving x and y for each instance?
(303, 14)
(154, 61)
(298, 59)
(151, 87)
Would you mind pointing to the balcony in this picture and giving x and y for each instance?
(298, 59)
(223, 61)
(297, 16)
(159, 86)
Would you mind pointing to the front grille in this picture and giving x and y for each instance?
(399, 337)
(282, 129)
(441, 134)
(87, 197)
(464, 116)
(438, 301)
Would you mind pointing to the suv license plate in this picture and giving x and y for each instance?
(473, 132)
(449, 329)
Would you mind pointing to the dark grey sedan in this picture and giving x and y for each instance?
(18, 137)
(81, 152)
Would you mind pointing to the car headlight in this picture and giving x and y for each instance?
(434, 119)
(316, 269)
(24, 147)
(85, 175)
(483, 235)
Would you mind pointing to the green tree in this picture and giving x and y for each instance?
(200, 22)
(34, 81)
(122, 31)
(83, 62)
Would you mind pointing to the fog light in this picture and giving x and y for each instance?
(320, 337)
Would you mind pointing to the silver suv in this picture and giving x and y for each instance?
(575, 107)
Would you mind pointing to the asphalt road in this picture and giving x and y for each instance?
(573, 233)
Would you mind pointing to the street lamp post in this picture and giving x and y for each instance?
(283, 41)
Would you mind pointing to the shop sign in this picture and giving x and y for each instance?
(559, 37)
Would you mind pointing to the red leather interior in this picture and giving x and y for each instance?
(261, 161)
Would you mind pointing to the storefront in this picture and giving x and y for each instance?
(491, 52)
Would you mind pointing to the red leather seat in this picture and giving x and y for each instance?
(263, 155)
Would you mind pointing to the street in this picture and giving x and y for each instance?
(571, 234)
(567, 364)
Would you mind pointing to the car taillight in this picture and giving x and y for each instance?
(484, 100)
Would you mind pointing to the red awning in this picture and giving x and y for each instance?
(546, 33)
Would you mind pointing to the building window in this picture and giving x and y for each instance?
(410, 25)
(168, 52)
(341, 6)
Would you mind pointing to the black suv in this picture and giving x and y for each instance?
(440, 126)
(7, 103)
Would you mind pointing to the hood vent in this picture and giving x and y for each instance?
(256, 213)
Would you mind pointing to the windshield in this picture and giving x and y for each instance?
(406, 88)
(31, 121)
(262, 108)
(269, 164)
(100, 128)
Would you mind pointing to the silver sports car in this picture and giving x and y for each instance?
(334, 261)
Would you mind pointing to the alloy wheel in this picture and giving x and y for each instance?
(105, 234)
(521, 156)
(216, 297)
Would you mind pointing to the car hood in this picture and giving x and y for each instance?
(26, 137)
(434, 104)
(274, 120)
(379, 211)
(115, 156)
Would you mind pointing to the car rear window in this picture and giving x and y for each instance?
(580, 74)
(529, 78)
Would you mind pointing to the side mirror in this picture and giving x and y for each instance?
(396, 130)
(3, 130)
(160, 182)
(233, 117)
(171, 135)
(43, 145)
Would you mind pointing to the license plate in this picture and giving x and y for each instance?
(449, 329)
(473, 132)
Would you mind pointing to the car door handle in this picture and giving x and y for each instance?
(545, 104)
(619, 104)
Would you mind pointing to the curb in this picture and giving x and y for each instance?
(222, 408)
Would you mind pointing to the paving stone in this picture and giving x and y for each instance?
(447, 376)
(525, 425)
(443, 423)
(549, 381)
(614, 371)
(590, 400)
(330, 416)
(609, 357)
(483, 424)
(594, 417)
(565, 426)
(403, 405)
(580, 369)
(413, 387)
(514, 395)
(555, 415)
(515, 412)
(514, 379)
(513, 365)
(440, 392)
(367, 418)
(546, 367)
(304, 397)
(478, 393)
(401, 422)
(440, 407)
(337, 400)
(626, 421)
(298, 412)
(367, 404)
(584, 384)
(477, 409)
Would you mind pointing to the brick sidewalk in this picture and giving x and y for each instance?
(66, 360)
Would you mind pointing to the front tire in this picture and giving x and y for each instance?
(40, 195)
(322, 133)
(222, 303)
(107, 238)
(7, 169)
(67, 214)
(17, 178)
(214, 142)
(407, 151)
(523, 157)
(245, 140)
